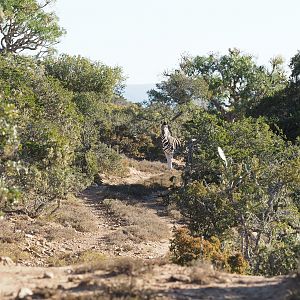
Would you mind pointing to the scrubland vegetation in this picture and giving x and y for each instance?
(64, 122)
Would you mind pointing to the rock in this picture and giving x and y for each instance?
(75, 278)
(30, 236)
(180, 277)
(48, 274)
(6, 261)
(24, 292)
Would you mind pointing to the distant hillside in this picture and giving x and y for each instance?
(138, 92)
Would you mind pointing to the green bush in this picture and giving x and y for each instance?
(102, 159)
(251, 201)
(58, 141)
(10, 167)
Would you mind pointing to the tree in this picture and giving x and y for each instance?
(178, 89)
(25, 25)
(295, 67)
(282, 109)
(229, 84)
(79, 74)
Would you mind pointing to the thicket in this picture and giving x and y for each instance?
(248, 199)
(50, 143)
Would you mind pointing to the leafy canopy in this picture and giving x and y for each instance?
(25, 25)
(79, 74)
(229, 84)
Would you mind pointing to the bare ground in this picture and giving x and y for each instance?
(113, 256)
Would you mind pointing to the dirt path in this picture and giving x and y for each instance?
(162, 282)
(134, 267)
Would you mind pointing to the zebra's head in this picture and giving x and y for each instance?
(165, 129)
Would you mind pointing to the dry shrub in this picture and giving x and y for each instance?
(30, 226)
(9, 233)
(49, 230)
(124, 288)
(73, 213)
(165, 180)
(116, 266)
(88, 257)
(185, 249)
(173, 212)
(58, 233)
(127, 247)
(14, 252)
(148, 166)
(204, 273)
(140, 223)
(128, 266)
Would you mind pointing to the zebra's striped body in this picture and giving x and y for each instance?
(169, 143)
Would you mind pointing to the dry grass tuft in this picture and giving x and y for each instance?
(148, 166)
(140, 224)
(127, 266)
(9, 233)
(124, 288)
(14, 252)
(88, 257)
(49, 230)
(116, 266)
(204, 273)
(173, 212)
(58, 233)
(74, 214)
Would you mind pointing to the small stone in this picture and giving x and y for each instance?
(48, 274)
(6, 261)
(75, 278)
(30, 236)
(24, 292)
(179, 277)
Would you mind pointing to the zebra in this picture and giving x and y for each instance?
(169, 143)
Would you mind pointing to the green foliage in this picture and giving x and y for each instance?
(229, 84)
(250, 203)
(82, 75)
(58, 142)
(240, 140)
(282, 109)
(25, 25)
(179, 89)
(64, 120)
(295, 66)
(280, 258)
(9, 165)
(101, 159)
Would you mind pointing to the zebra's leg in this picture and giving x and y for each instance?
(169, 160)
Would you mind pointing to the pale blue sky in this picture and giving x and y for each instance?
(147, 37)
